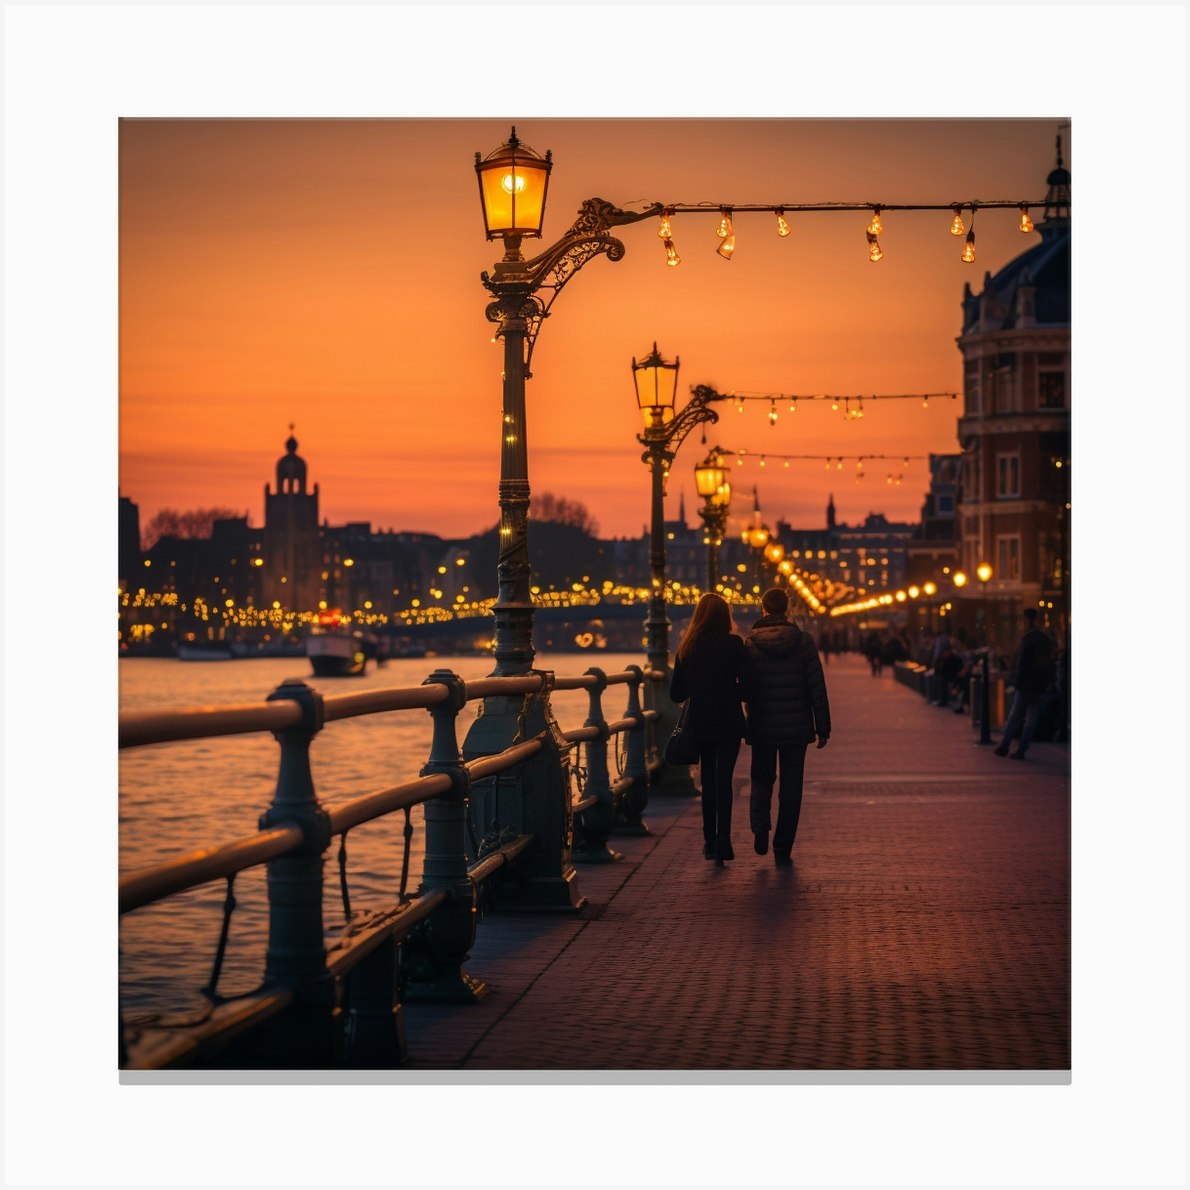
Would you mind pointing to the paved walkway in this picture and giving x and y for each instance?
(924, 925)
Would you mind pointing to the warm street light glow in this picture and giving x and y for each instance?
(513, 180)
(983, 572)
(709, 476)
(656, 387)
(960, 579)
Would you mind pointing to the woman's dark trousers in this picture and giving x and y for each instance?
(765, 757)
(717, 766)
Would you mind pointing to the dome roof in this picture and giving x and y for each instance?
(1043, 269)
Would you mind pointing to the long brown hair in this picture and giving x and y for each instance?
(712, 617)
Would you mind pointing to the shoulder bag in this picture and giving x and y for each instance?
(681, 748)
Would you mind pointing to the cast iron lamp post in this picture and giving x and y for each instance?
(513, 180)
(710, 481)
(656, 387)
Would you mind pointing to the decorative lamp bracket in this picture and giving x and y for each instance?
(514, 283)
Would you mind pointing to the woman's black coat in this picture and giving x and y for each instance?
(715, 677)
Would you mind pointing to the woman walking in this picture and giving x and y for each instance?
(711, 673)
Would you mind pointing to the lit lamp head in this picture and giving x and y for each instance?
(513, 180)
(983, 572)
(758, 537)
(656, 387)
(774, 551)
(709, 477)
(722, 496)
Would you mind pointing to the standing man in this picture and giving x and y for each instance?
(1031, 675)
(788, 710)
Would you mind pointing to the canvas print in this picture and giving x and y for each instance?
(594, 595)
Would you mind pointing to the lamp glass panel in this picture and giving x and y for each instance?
(513, 191)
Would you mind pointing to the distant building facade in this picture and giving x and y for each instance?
(1014, 489)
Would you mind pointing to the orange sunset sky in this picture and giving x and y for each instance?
(326, 273)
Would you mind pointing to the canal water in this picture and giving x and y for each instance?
(180, 797)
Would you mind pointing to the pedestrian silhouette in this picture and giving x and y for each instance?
(788, 707)
(872, 651)
(711, 673)
(1030, 676)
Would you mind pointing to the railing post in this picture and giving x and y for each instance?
(596, 823)
(304, 1035)
(634, 799)
(534, 798)
(433, 955)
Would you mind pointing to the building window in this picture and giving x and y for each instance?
(1051, 390)
(1008, 476)
(1008, 558)
(945, 504)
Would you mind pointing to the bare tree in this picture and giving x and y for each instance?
(559, 510)
(195, 522)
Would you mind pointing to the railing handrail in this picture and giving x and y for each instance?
(296, 830)
(139, 728)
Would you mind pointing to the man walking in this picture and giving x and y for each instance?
(1031, 675)
(788, 709)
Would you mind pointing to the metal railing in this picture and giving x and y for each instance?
(341, 1006)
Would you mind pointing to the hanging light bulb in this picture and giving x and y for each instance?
(727, 247)
(782, 223)
(724, 228)
(671, 255)
(793, 405)
(739, 405)
(839, 464)
(763, 460)
(956, 224)
(786, 464)
(664, 231)
(968, 256)
(828, 463)
(874, 253)
(925, 402)
(874, 224)
(859, 412)
(1026, 224)
(834, 404)
(772, 413)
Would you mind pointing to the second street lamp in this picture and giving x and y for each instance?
(710, 480)
(656, 383)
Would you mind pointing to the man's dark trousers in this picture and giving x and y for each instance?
(765, 759)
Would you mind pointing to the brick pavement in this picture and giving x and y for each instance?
(925, 924)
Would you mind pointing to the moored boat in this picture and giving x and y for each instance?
(336, 650)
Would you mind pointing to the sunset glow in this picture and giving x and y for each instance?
(325, 273)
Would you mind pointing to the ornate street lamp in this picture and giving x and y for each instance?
(710, 481)
(656, 383)
(513, 181)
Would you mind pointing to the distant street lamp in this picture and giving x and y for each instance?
(513, 181)
(656, 382)
(710, 481)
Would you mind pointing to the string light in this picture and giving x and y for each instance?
(956, 224)
(1026, 224)
(875, 227)
(671, 255)
(874, 253)
(773, 414)
(727, 245)
(968, 256)
(782, 223)
(665, 230)
(724, 228)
